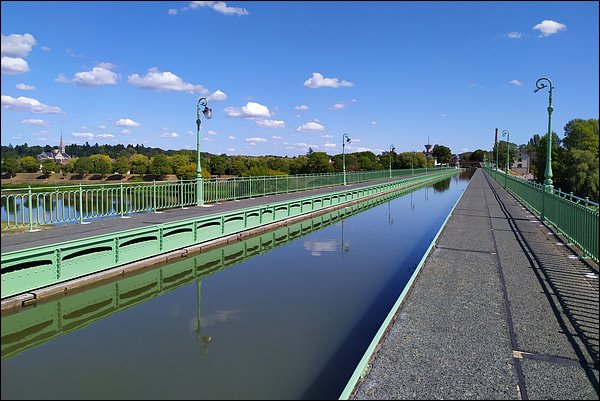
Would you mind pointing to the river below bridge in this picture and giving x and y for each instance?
(287, 315)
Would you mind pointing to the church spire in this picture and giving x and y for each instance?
(61, 145)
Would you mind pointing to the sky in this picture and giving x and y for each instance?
(283, 77)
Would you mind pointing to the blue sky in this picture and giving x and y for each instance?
(285, 76)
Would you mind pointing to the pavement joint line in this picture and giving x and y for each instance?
(553, 359)
(464, 250)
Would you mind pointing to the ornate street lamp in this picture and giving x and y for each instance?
(506, 134)
(392, 149)
(345, 139)
(208, 114)
(548, 173)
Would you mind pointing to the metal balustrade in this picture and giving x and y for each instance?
(576, 218)
(33, 207)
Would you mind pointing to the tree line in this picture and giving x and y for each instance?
(122, 160)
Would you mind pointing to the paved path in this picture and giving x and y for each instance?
(501, 309)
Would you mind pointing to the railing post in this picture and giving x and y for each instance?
(80, 204)
(30, 207)
(121, 198)
(154, 195)
(587, 201)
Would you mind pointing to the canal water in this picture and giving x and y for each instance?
(284, 315)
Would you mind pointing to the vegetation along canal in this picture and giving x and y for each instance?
(284, 315)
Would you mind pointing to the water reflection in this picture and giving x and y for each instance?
(259, 319)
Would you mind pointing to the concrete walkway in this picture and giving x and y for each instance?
(501, 309)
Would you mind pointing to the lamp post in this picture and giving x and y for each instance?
(496, 154)
(507, 135)
(345, 138)
(548, 173)
(208, 114)
(392, 149)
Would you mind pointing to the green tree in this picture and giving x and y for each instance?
(179, 160)
(318, 162)
(49, 167)
(160, 165)
(69, 167)
(442, 154)
(139, 164)
(121, 165)
(30, 164)
(101, 164)
(83, 166)
(477, 156)
(10, 166)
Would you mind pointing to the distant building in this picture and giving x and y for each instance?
(523, 162)
(58, 156)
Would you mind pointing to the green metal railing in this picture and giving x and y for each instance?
(33, 207)
(576, 218)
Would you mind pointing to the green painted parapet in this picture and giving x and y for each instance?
(574, 217)
(28, 269)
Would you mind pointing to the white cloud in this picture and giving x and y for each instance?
(329, 145)
(46, 48)
(172, 11)
(34, 121)
(270, 123)
(317, 81)
(126, 122)
(25, 87)
(71, 53)
(255, 140)
(231, 149)
(169, 135)
(211, 132)
(327, 136)
(549, 27)
(164, 81)
(217, 96)
(231, 137)
(250, 111)
(88, 135)
(101, 74)
(338, 106)
(101, 127)
(514, 35)
(276, 137)
(125, 132)
(17, 45)
(207, 139)
(220, 7)
(310, 127)
(354, 100)
(301, 107)
(105, 136)
(28, 104)
(13, 66)
(516, 82)
(373, 122)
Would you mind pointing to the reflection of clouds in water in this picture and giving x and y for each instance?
(316, 247)
(217, 317)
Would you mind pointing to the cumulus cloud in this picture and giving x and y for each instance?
(169, 135)
(16, 45)
(13, 65)
(514, 35)
(164, 81)
(276, 137)
(270, 123)
(172, 11)
(220, 7)
(126, 122)
(301, 107)
(373, 122)
(25, 87)
(211, 132)
(329, 145)
(87, 135)
(338, 106)
(317, 81)
(549, 27)
(217, 96)
(516, 82)
(255, 140)
(101, 74)
(34, 121)
(28, 104)
(251, 110)
(231, 137)
(105, 136)
(310, 127)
